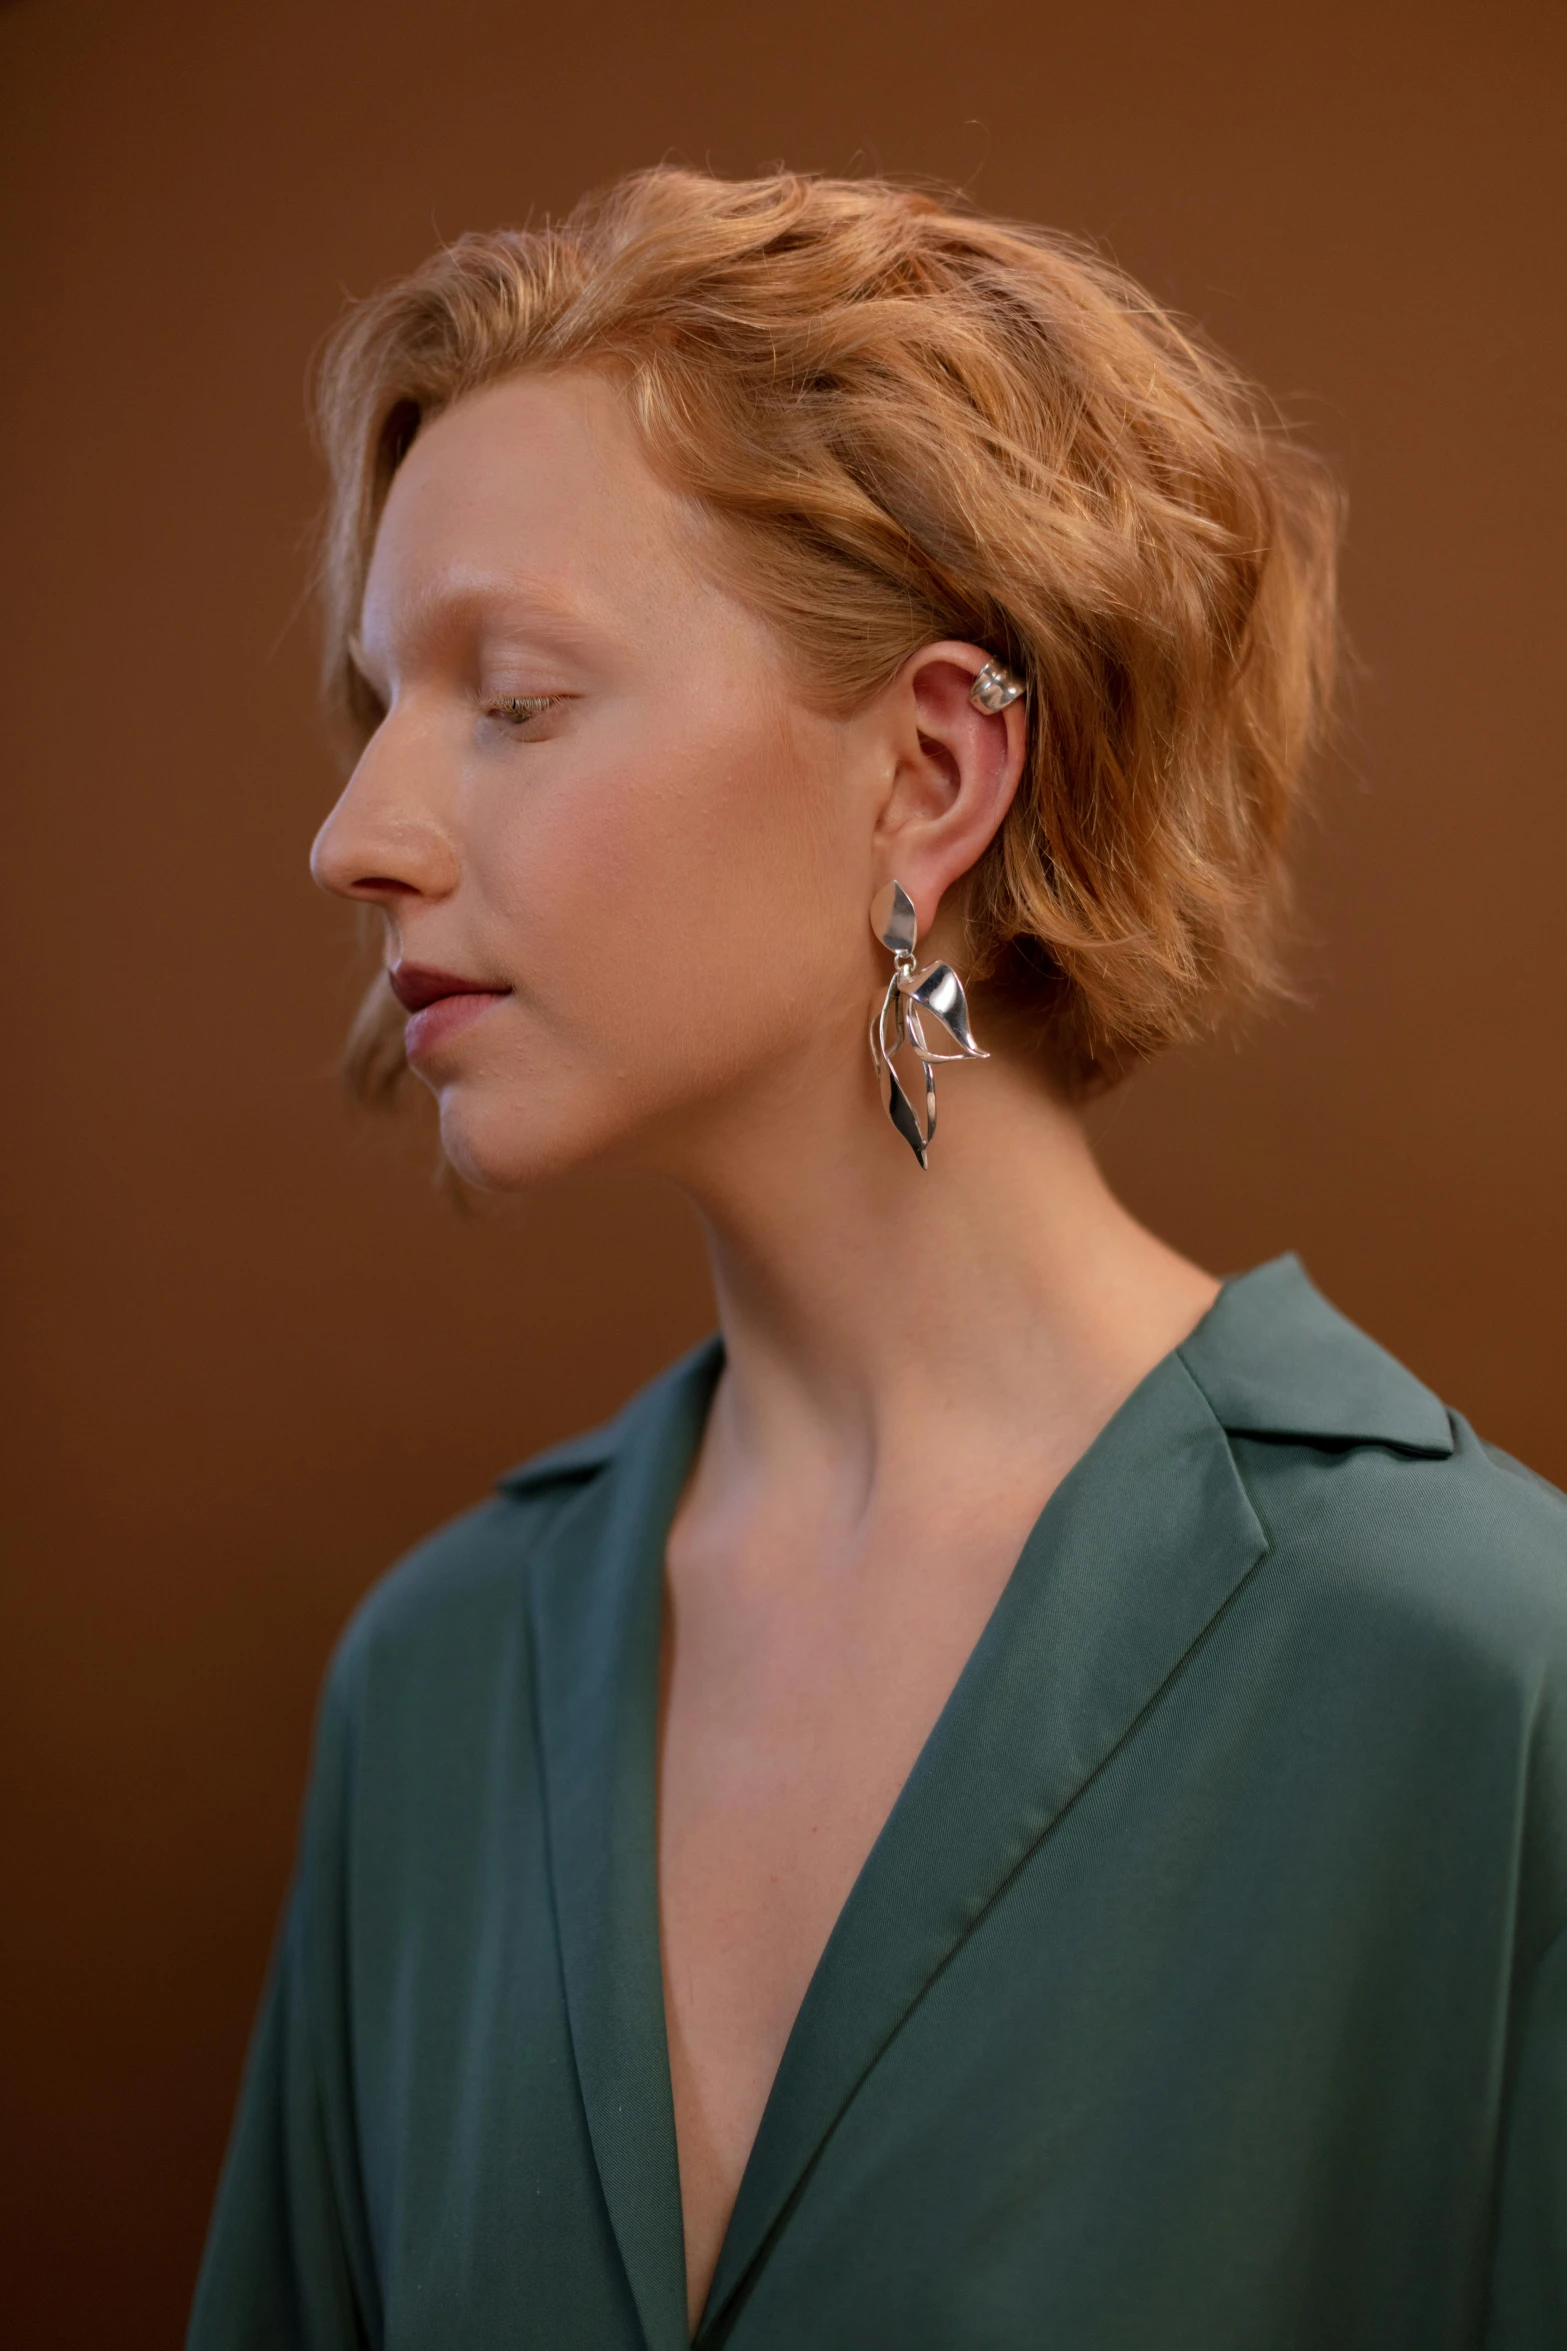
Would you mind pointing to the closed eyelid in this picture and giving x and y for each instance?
(496, 618)
(477, 625)
(517, 712)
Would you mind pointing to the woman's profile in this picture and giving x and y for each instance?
(1019, 1795)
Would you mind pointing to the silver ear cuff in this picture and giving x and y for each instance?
(912, 998)
(995, 687)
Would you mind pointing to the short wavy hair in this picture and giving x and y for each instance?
(913, 422)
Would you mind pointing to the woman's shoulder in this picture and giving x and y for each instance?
(1380, 1498)
(1469, 1541)
(457, 1601)
(450, 1606)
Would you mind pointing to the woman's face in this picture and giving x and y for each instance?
(598, 800)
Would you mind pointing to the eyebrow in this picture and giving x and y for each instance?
(447, 603)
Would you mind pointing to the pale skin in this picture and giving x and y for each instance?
(602, 788)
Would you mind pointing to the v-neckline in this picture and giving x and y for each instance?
(1110, 1590)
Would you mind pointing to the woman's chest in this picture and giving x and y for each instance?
(1174, 2073)
(793, 1712)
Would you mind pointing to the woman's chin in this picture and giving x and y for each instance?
(500, 1162)
(495, 1149)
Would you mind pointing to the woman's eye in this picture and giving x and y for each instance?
(517, 709)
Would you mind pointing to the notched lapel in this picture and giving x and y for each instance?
(1137, 1551)
(597, 1605)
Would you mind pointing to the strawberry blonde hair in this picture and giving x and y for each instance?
(911, 423)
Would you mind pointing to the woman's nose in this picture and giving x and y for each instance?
(383, 843)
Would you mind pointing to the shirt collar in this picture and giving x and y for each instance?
(1274, 1359)
(580, 1457)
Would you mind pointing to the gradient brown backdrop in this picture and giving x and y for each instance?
(257, 1356)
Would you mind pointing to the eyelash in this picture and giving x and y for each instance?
(519, 708)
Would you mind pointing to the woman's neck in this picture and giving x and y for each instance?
(881, 1322)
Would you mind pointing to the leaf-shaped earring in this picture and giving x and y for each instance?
(913, 998)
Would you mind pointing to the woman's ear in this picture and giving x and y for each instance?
(954, 771)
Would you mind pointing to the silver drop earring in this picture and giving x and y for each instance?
(913, 998)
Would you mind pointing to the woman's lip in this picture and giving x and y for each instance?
(417, 984)
(435, 1024)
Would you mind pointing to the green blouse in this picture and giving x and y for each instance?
(1205, 1991)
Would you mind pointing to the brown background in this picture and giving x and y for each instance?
(258, 1355)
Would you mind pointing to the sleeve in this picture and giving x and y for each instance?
(289, 2264)
(1528, 2303)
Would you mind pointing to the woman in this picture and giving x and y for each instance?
(1020, 1795)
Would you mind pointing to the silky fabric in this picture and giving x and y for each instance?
(1206, 1989)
